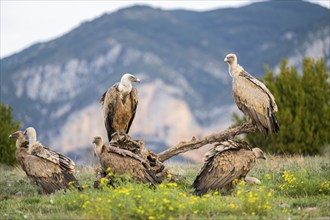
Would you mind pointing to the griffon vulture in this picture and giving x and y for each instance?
(122, 161)
(49, 169)
(226, 162)
(253, 98)
(119, 105)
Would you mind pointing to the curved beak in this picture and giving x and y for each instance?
(137, 80)
(13, 135)
(225, 60)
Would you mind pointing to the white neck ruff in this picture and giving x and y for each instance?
(125, 87)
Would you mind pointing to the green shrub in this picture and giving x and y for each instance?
(7, 127)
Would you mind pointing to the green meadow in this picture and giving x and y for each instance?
(291, 188)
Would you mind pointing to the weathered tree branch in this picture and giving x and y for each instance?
(195, 143)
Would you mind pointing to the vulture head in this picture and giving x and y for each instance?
(32, 135)
(126, 81)
(98, 144)
(19, 136)
(230, 59)
(259, 153)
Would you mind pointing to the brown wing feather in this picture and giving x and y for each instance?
(39, 151)
(110, 99)
(223, 167)
(134, 103)
(64, 162)
(255, 101)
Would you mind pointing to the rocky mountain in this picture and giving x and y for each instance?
(55, 86)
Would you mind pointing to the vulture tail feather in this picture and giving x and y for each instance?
(70, 179)
(110, 130)
(275, 125)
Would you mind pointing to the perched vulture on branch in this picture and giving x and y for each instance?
(253, 98)
(119, 105)
(121, 162)
(49, 169)
(230, 160)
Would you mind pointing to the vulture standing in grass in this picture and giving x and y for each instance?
(48, 169)
(253, 98)
(228, 161)
(119, 105)
(122, 162)
(22, 146)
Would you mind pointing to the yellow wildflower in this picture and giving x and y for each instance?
(182, 194)
(103, 181)
(182, 206)
(166, 201)
(172, 184)
(207, 195)
(86, 203)
(137, 196)
(235, 181)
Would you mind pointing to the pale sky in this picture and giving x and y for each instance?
(25, 22)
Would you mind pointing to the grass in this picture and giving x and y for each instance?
(292, 187)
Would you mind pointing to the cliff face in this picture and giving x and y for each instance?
(178, 55)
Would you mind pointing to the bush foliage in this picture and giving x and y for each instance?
(304, 109)
(7, 126)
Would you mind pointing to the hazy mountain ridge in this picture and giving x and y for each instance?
(186, 89)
